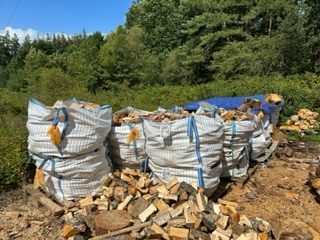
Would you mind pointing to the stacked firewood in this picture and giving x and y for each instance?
(128, 115)
(304, 120)
(131, 205)
(234, 115)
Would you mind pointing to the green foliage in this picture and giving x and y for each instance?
(159, 20)
(168, 52)
(13, 156)
(313, 31)
(293, 44)
(53, 84)
(255, 57)
(13, 138)
(308, 136)
(125, 59)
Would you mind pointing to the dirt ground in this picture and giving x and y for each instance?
(20, 220)
(277, 192)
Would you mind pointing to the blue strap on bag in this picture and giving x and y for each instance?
(233, 134)
(66, 119)
(53, 170)
(192, 128)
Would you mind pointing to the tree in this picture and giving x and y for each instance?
(312, 25)
(293, 43)
(159, 20)
(265, 16)
(258, 56)
(83, 61)
(53, 84)
(211, 25)
(124, 59)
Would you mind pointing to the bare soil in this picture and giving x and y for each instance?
(20, 220)
(277, 192)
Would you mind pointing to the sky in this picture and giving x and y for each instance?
(39, 17)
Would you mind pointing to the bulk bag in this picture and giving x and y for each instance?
(127, 150)
(75, 177)
(235, 160)
(189, 149)
(82, 130)
(261, 139)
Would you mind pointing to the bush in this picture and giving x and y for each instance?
(13, 143)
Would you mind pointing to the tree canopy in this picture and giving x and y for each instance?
(173, 42)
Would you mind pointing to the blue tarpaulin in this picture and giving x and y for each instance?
(231, 103)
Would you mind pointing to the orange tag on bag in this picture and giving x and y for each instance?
(133, 135)
(54, 134)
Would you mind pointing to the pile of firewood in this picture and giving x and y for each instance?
(76, 104)
(127, 115)
(131, 205)
(234, 115)
(304, 120)
(273, 98)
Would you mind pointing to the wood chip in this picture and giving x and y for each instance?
(174, 190)
(179, 232)
(193, 207)
(119, 193)
(176, 222)
(171, 183)
(108, 192)
(68, 216)
(168, 197)
(131, 172)
(138, 207)
(159, 230)
(161, 205)
(222, 221)
(69, 231)
(218, 236)
(86, 201)
(125, 202)
(201, 202)
(188, 216)
(163, 190)
(227, 232)
(147, 213)
(103, 204)
(197, 220)
(178, 210)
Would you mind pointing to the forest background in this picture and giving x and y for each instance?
(167, 53)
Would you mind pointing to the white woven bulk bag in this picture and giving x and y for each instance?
(189, 149)
(83, 130)
(75, 177)
(123, 155)
(261, 139)
(238, 170)
(235, 160)
(126, 139)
